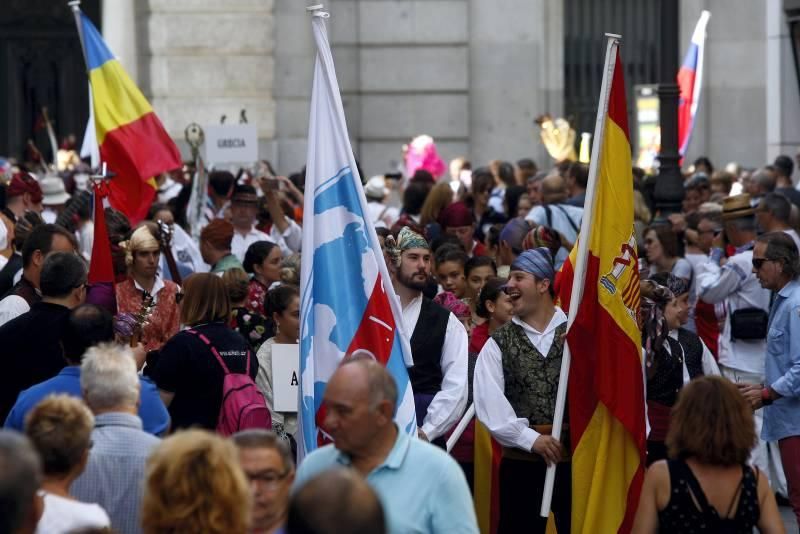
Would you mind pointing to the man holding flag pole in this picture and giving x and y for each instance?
(600, 287)
(354, 385)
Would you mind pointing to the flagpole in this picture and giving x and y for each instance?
(460, 427)
(582, 256)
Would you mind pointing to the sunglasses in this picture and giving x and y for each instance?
(178, 297)
(758, 262)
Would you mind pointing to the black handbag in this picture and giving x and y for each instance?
(749, 323)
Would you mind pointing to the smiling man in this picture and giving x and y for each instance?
(439, 341)
(516, 380)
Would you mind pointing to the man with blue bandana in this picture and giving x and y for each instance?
(516, 380)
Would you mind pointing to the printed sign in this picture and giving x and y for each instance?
(285, 373)
(234, 143)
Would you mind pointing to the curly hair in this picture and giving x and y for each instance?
(712, 423)
(60, 428)
(194, 484)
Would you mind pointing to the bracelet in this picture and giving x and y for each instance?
(766, 397)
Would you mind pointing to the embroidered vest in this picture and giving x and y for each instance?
(426, 348)
(531, 380)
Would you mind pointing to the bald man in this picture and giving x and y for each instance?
(421, 488)
(555, 213)
(338, 500)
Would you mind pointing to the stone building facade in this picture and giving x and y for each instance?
(472, 73)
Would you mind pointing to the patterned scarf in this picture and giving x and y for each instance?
(406, 240)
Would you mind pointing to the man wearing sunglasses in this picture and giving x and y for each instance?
(730, 285)
(777, 266)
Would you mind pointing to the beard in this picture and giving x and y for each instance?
(411, 282)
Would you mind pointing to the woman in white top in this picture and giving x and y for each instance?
(663, 254)
(283, 306)
(60, 428)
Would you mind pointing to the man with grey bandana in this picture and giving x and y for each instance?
(516, 380)
(439, 342)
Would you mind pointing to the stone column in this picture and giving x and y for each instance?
(783, 91)
(119, 32)
(516, 72)
(206, 59)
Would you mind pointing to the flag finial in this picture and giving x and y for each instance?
(316, 11)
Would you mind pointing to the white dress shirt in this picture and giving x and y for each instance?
(450, 402)
(488, 389)
(289, 241)
(735, 285)
(12, 307)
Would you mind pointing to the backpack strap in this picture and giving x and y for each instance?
(549, 215)
(569, 219)
(214, 351)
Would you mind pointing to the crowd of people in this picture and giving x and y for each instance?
(151, 407)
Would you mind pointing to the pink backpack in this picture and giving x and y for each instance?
(243, 405)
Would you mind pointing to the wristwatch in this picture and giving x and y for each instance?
(766, 397)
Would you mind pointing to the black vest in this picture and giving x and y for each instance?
(426, 348)
(692, 352)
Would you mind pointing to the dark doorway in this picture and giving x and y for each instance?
(585, 22)
(42, 62)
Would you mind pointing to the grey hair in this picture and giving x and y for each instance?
(781, 247)
(379, 381)
(258, 438)
(743, 224)
(778, 205)
(109, 378)
(21, 470)
(766, 180)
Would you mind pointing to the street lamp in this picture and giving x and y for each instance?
(669, 184)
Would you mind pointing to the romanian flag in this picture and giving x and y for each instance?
(132, 140)
(606, 393)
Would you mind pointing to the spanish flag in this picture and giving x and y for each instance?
(132, 140)
(606, 394)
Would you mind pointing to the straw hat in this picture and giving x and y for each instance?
(736, 207)
(53, 191)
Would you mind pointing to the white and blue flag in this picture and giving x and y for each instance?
(348, 305)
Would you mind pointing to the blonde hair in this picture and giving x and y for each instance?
(237, 284)
(640, 210)
(205, 300)
(438, 199)
(141, 239)
(194, 484)
(60, 428)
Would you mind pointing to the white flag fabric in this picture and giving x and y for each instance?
(89, 148)
(348, 305)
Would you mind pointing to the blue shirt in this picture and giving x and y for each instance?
(152, 411)
(114, 475)
(782, 365)
(421, 488)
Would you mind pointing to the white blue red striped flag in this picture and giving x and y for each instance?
(348, 305)
(690, 78)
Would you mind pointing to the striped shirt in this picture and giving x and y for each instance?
(114, 475)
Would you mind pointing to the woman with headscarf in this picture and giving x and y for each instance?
(672, 355)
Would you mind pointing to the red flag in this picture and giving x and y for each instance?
(101, 266)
